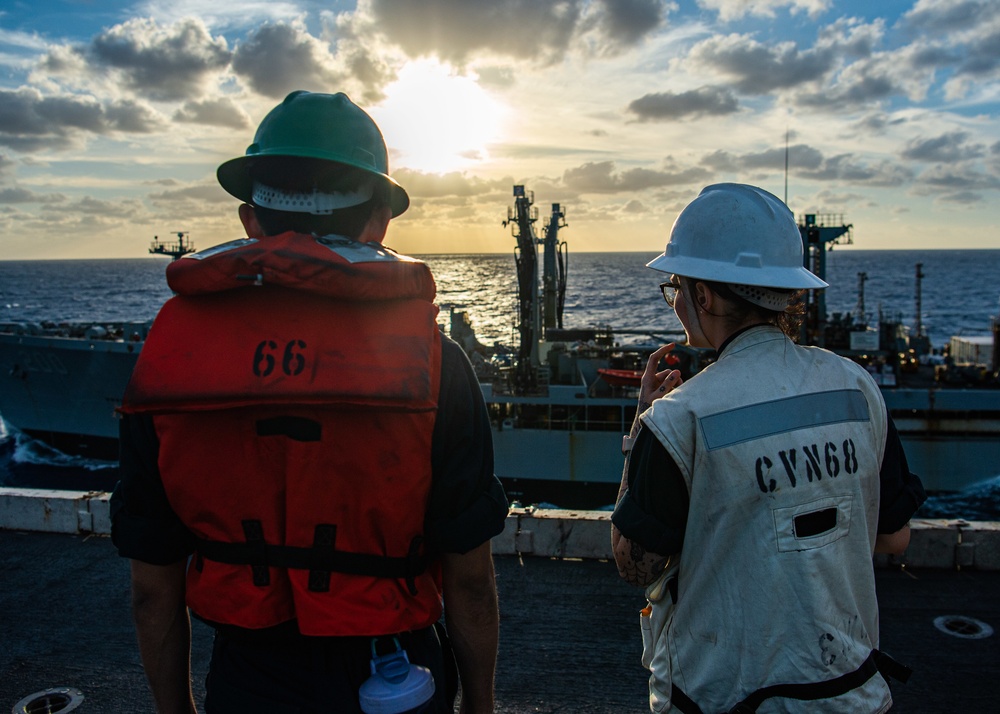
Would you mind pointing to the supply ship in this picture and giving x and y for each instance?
(562, 398)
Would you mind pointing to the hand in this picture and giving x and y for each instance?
(656, 384)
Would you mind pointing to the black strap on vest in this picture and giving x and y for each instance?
(320, 559)
(253, 531)
(876, 662)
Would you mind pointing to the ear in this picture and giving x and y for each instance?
(378, 224)
(250, 224)
(703, 296)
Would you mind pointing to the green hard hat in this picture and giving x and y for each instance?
(307, 125)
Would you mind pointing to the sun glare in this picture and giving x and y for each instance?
(436, 121)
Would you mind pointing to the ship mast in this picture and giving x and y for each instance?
(554, 267)
(859, 309)
(175, 249)
(540, 302)
(820, 232)
(521, 218)
(919, 342)
(918, 327)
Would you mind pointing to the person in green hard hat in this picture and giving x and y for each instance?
(755, 493)
(306, 462)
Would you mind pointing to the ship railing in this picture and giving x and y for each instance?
(109, 331)
(823, 220)
(563, 417)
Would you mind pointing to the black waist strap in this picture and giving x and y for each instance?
(876, 662)
(320, 558)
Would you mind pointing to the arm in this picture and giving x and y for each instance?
(655, 384)
(893, 543)
(636, 565)
(900, 495)
(164, 631)
(473, 623)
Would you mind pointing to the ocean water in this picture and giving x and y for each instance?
(960, 291)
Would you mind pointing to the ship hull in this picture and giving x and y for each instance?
(65, 392)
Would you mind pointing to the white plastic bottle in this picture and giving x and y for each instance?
(396, 686)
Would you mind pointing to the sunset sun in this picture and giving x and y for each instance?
(436, 121)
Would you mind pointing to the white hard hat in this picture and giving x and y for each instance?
(738, 234)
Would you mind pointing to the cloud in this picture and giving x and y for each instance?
(668, 106)
(627, 22)
(430, 186)
(456, 29)
(539, 30)
(827, 198)
(23, 195)
(496, 77)
(162, 63)
(877, 123)
(806, 162)
(849, 37)
(529, 151)
(852, 170)
(370, 71)
(961, 34)
(944, 16)
(195, 199)
(956, 178)
(22, 40)
(634, 207)
(800, 157)
(756, 68)
(842, 70)
(869, 82)
(63, 60)
(961, 198)
(132, 117)
(925, 56)
(95, 207)
(735, 9)
(601, 177)
(214, 112)
(946, 148)
(31, 122)
(279, 58)
(7, 165)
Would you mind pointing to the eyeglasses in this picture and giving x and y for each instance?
(669, 290)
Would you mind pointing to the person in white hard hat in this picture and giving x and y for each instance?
(755, 493)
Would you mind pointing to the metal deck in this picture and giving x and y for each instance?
(569, 638)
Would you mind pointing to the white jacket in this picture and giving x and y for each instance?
(780, 447)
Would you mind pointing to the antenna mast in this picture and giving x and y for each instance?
(859, 310)
(919, 317)
(786, 166)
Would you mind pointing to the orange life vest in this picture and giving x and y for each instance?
(295, 430)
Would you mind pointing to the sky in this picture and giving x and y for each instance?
(114, 115)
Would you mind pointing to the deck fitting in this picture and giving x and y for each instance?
(50, 701)
(967, 628)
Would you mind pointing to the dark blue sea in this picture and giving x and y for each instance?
(959, 296)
